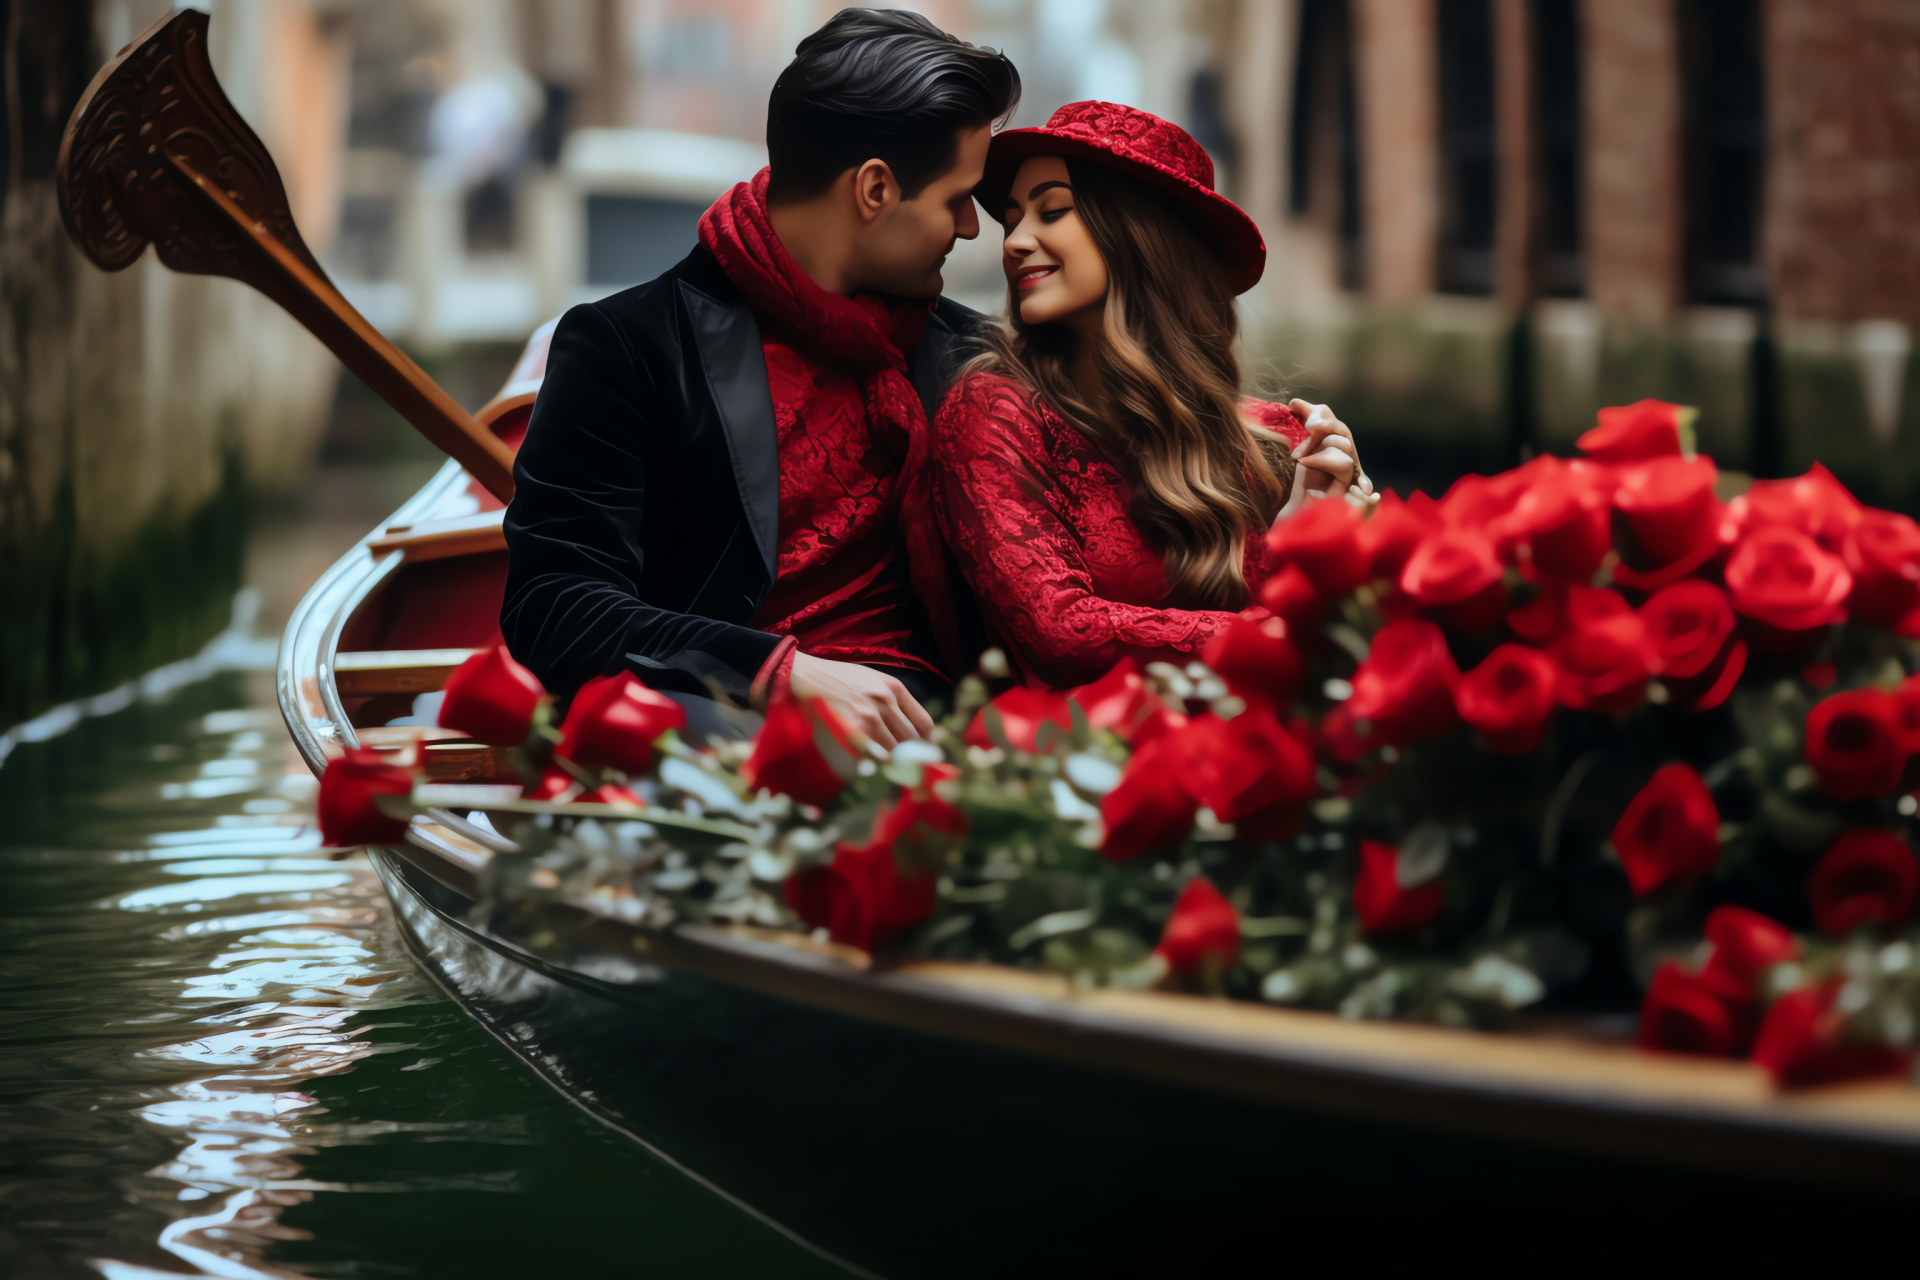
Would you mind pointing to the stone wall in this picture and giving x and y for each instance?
(138, 411)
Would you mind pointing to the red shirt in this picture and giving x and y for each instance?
(1038, 518)
(859, 571)
(842, 589)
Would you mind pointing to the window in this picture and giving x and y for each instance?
(490, 217)
(1324, 149)
(1466, 146)
(1557, 135)
(632, 239)
(1723, 96)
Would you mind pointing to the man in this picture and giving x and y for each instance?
(722, 488)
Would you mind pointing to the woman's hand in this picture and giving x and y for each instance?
(1328, 453)
(869, 701)
(1326, 463)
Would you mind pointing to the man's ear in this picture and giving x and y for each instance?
(875, 191)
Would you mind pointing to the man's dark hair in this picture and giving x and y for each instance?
(880, 84)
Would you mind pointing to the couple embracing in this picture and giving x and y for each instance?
(788, 465)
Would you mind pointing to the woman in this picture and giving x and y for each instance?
(1104, 486)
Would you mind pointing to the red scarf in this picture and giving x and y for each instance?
(867, 334)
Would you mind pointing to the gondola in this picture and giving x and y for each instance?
(935, 1118)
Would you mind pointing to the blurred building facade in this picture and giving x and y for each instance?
(1486, 217)
(1490, 216)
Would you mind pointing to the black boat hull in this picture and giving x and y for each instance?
(909, 1155)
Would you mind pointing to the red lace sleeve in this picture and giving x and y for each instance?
(1007, 516)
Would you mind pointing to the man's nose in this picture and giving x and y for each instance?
(967, 226)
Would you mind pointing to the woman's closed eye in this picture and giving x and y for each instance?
(1054, 215)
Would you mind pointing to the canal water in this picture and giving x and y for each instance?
(216, 1057)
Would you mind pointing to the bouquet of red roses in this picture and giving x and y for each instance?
(1592, 736)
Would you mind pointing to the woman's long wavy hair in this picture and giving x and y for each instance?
(1202, 476)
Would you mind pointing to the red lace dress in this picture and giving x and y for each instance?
(1037, 517)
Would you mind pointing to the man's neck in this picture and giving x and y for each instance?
(813, 234)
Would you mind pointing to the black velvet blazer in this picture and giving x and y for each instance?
(644, 527)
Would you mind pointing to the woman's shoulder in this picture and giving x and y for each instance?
(1275, 417)
(983, 407)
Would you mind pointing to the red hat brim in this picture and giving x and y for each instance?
(1223, 225)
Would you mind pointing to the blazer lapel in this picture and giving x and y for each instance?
(934, 364)
(728, 340)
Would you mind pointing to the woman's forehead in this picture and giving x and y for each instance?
(1035, 171)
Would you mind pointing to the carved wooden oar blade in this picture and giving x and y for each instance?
(155, 154)
(159, 97)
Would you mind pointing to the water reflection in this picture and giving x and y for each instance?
(217, 1059)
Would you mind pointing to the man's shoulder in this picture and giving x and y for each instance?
(655, 303)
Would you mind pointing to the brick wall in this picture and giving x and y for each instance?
(1843, 188)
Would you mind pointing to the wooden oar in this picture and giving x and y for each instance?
(156, 154)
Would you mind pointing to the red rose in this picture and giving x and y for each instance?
(1203, 924)
(1258, 661)
(491, 698)
(1393, 530)
(1815, 504)
(1542, 619)
(1158, 723)
(611, 793)
(803, 751)
(1457, 569)
(1856, 744)
(1882, 553)
(1559, 527)
(1022, 710)
(1288, 594)
(862, 898)
(1120, 700)
(1802, 1041)
(920, 814)
(1681, 1014)
(1323, 543)
(1242, 766)
(554, 784)
(1669, 520)
(1509, 698)
(1606, 656)
(1404, 690)
(1637, 432)
(1150, 809)
(1781, 578)
(1384, 902)
(1906, 708)
(349, 791)
(1480, 502)
(1866, 877)
(1342, 736)
(1745, 945)
(1691, 626)
(614, 722)
(1669, 832)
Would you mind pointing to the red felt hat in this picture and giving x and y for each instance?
(1133, 141)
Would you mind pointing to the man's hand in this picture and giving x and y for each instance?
(869, 701)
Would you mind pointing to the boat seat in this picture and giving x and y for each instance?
(443, 539)
(378, 671)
